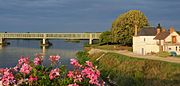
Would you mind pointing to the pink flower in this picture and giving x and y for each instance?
(78, 77)
(92, 74)
(73, 84)
(31, 78)
(54, 73)
(23, 60)
(7, 78)
(97, 72)
(88, 63)
(70, 74)
(37, 61)
(75, 63)
(95, 82)
(15, 68)
(25, 68)
(2, 71)
(54, 59)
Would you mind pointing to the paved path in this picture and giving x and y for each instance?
(131, 54)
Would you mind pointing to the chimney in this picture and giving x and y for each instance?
(163, 30)
(158, 31)
(171, 29)
(136, 28)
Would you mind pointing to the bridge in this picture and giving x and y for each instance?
(46, 36)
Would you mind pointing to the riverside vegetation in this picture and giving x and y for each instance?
(120, 70)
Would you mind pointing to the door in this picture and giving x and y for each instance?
(142, 51)
(173, 39)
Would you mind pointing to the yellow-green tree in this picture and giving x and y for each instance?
(123, 27)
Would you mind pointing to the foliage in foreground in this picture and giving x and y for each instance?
(33, 73)
(127, 71)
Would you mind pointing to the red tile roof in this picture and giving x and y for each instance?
(162, 35)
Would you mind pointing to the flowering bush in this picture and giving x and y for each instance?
(33, 73)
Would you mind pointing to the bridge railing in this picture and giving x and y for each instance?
(50, 35)
(21, 35)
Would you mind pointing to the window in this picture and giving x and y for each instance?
(174, 39)
(176, 48)
(144, 39)
(169, 48)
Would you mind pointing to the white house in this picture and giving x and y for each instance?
(151, 39)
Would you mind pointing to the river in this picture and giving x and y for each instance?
(10, 54)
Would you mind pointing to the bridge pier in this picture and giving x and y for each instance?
(90, 39)
(44, 42)
(1, 41)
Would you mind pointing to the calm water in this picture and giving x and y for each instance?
(10, 54)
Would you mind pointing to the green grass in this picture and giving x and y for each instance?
(127, 71)
(163, 54)
(82, 57)
(109, 47)
(178, 56)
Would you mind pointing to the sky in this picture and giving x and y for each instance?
(81, 15)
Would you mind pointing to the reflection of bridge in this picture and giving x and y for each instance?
(44, 36)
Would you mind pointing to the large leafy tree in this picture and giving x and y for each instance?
(123, 27)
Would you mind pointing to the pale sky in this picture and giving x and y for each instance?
(81, 15)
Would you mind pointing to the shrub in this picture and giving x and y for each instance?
(163, 54)
(105, 38)
(130, 49)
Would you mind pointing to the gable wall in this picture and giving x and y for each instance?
(169, 38)
(175, 48)
(144, 44)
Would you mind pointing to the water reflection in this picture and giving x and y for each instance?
(43, 50)
(10, 54)
(1, 47)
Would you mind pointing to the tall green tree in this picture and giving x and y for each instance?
(123, 27)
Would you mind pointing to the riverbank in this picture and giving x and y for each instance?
(122, 70)
(131, 54)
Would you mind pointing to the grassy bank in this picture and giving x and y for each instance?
(108, 47)
(127, 71)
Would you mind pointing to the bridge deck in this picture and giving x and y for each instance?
(50, 35)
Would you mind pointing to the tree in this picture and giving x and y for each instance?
(105, 37)
(123, 27)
